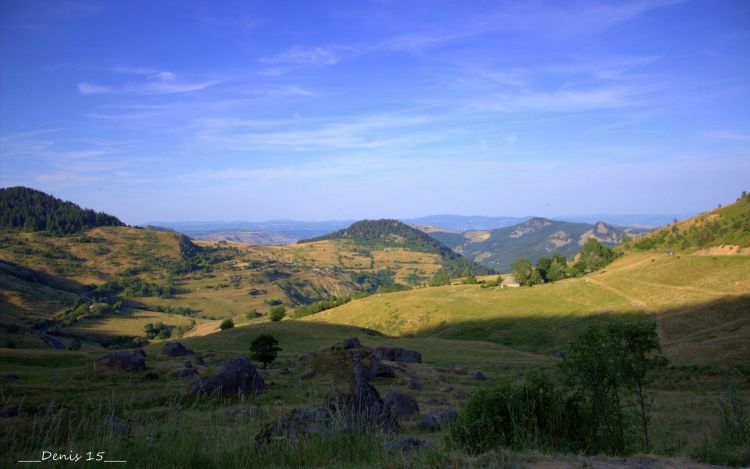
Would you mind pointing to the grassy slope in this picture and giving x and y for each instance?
(312, 270)
(680, 290)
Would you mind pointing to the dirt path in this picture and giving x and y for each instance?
(635, 302)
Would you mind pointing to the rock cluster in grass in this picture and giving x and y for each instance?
(176, 349)
(237, 377)
(123, 361)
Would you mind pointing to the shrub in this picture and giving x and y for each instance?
(265, 348)
(252, 314)
(157, 331)
(530, 414)
(226, 324)
(277, 313)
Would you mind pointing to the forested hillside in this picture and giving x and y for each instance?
(32, 210)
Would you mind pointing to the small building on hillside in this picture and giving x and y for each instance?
(509, 282)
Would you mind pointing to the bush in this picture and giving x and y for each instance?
(226, 324)
(265, 348)
(252, 314)
(157, 331)
(530, 414)
(277, 313)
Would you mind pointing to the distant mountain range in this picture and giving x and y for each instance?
(290, 231)
(532, 239)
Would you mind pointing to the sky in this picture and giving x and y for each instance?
(180, 110)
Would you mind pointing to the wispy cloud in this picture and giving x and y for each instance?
(311, 56)
(563, 100)
(375, 131)
(728, 135)
(154, 82)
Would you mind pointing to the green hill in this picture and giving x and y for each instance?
(393, 233)
(727, 226)
(33, 210)
(532, 239)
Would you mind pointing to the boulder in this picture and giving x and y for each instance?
(479, 376)
(436, 420)
(308, 374)
(363, 409)
(414, 384)
(407, 445)
(11, 411)
(10, 376)
(176, 349)
(559, 355)
(237, 377)
(299, 423)
(401, 404)
(396, 354)
(351, 342)
(200, 360)
(124, 361)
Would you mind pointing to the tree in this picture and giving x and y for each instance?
(543, 265)
(440, 278)
(265, 348)
(277, 313)
(642, 352)
(523, 271)
(603, 364)
(226, 324)
(557, 269)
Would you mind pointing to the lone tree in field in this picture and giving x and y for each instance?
(264, 349)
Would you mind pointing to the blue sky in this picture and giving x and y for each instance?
(321, 110)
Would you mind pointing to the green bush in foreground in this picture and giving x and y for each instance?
(530, 414)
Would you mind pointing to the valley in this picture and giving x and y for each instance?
(97, 290)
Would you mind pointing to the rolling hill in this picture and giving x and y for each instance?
(697, 295)
(393, 233)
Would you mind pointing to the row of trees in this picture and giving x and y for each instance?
(594, 256)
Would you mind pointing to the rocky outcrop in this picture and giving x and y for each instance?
(123, 361)
(401, 404)
(176, 349)
(396, 354)
(237, 377)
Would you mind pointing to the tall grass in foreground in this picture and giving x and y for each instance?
(195, 434)
(732, 444)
